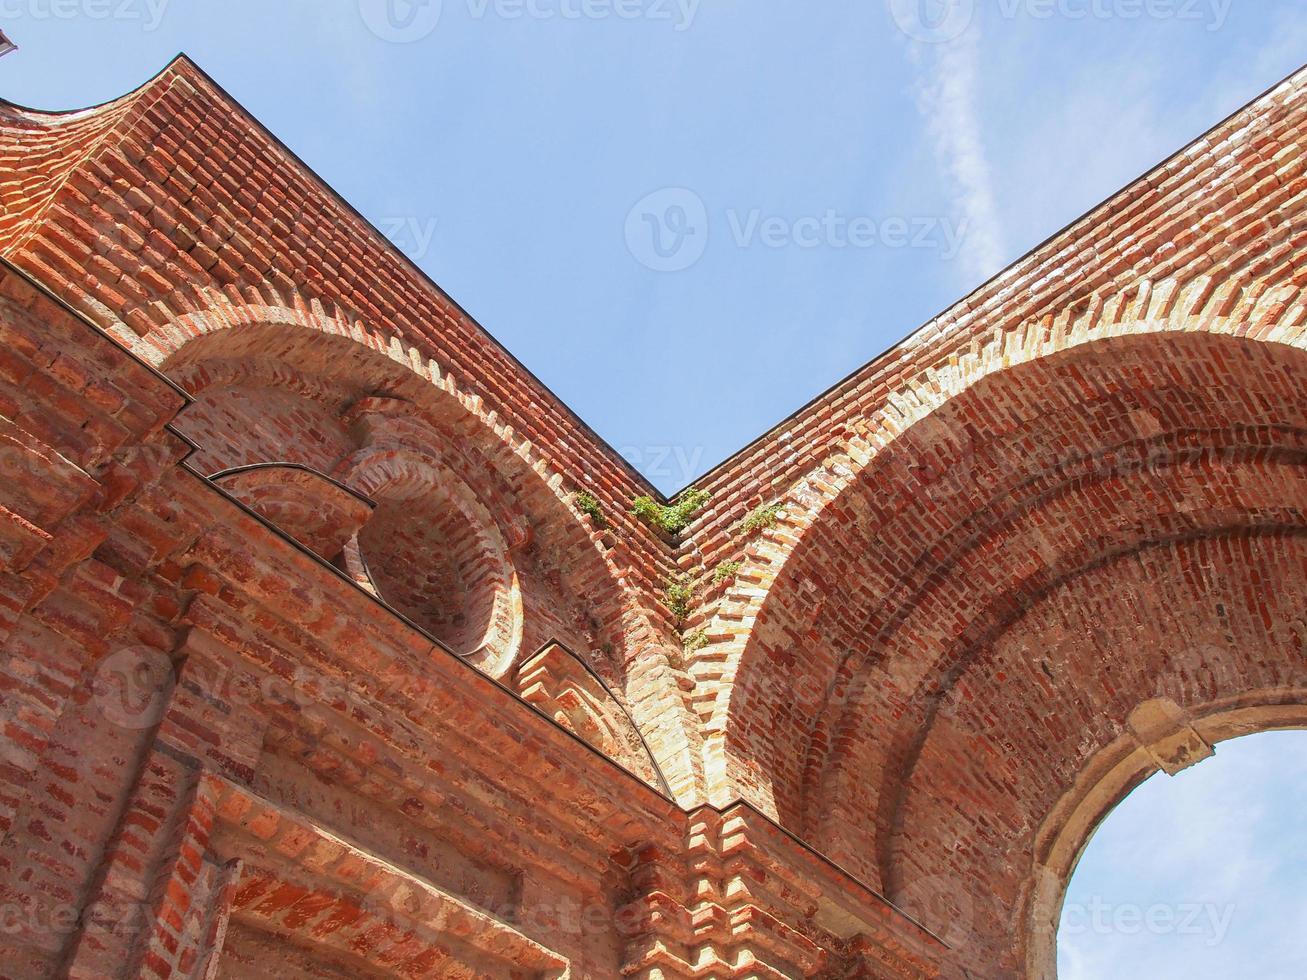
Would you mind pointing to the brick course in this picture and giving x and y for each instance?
(310, 664)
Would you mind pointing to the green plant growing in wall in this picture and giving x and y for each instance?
(695, 641)
(672, 518)
(725, 571)
(587, 504)
(762, 518)
(648, 510)
(679, 596)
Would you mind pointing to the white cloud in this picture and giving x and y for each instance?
(1109, 117)
(1250, 72)
(946, 97)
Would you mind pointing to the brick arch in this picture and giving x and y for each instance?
(1175, 647)
(211, 372)
(382, 365)
(905, 458)
(1105, 781)
(853, 795)
(213, 313)
(216, 325)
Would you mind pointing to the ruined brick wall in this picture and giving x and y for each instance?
(313, 666)
(222, 757)
(926, 651)
(190, 219)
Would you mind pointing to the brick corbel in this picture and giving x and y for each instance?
(563, 687)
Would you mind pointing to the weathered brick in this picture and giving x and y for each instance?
(359, 679)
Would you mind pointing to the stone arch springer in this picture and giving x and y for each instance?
(1162, 738)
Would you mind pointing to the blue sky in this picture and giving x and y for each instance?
(505, 153)
(1201, 876)
(820, 179)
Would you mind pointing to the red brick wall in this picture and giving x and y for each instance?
(1055, 534)
(190, 219)
(221, 754)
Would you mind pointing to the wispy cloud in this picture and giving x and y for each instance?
(946, 86)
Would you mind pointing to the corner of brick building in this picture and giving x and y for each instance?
(313, 662)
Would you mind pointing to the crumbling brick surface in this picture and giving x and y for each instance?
(311, 664)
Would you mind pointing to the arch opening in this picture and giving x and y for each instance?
(1200, 875)
(1156, 658)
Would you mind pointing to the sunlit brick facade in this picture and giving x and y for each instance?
(314, 664)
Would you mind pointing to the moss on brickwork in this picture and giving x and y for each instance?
(761, 519)
(725, 571)
(695, 641)
(679, 596)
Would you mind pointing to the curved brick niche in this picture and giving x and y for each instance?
(427, 546)
(435, 555)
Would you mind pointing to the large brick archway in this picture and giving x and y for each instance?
(406, 637)
(1024, 570)
(1043, 449)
